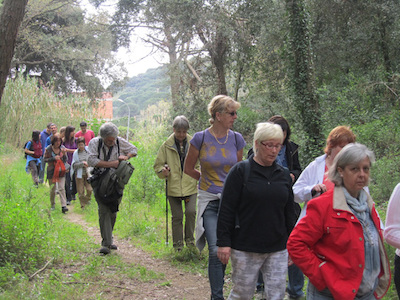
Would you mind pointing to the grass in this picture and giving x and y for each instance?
(33, 236)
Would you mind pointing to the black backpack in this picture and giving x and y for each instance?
(108, 187)
(30, 148)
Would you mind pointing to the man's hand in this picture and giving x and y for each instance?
(126, 157)
(108, 164)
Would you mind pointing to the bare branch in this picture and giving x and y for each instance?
(193, 70)
(40, 270)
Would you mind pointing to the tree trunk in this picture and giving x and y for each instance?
(173, 67)
(217, 49)
(302, 69)
(218, 55)
(10, 19)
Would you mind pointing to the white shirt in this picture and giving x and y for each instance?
(392, 227)
(313, 174)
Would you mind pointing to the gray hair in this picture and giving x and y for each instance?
(108, 129)
(267, 131)
(352, 153)
(180, 122)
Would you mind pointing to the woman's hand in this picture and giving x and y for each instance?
(224, 253)
(166, 170)
(290, 261)
(318, 189)
(292, 176)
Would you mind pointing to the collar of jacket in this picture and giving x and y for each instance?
(340, 203)
(274, 164)
(170, 142)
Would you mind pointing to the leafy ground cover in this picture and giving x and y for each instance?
(48, 255)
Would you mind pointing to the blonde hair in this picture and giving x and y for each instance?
(267, 131)
(220, 104)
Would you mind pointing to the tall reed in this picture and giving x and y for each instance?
(27, 106)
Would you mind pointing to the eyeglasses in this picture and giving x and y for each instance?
(232, 113)
(270, 146)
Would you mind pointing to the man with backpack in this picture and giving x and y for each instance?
(106, 153)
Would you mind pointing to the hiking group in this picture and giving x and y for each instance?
(247, 211)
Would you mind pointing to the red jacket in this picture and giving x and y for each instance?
(328, 246)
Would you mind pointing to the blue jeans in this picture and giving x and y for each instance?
(296, 281)
(41, 171)
(314, 294)
(216, 270)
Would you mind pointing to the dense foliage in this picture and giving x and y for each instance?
(63, 47)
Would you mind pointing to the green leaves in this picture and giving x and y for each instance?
(60, 45)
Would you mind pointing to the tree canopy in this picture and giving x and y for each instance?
(61, 46)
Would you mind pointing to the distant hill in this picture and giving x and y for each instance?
(143, 90)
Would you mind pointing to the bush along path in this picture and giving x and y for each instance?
(131, 273)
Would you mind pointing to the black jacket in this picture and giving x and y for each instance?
(292, 158)
(263, 207)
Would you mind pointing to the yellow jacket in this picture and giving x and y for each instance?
(179, 184)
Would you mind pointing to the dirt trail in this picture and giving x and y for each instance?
(182, 285)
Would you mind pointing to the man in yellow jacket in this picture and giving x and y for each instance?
(181, 188)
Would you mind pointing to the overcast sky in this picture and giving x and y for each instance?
(136, 59)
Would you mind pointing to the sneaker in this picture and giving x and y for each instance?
(105, 250)
(64, 209)
(113, 247)
(68, 202)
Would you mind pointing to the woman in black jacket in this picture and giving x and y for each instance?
(256, 217)
(288, 157)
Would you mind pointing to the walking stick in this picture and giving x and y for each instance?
(166, 211)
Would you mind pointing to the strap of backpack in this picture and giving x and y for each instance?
(108, 155)
(202, 139)
(247, 169)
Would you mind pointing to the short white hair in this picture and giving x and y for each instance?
(267, 131)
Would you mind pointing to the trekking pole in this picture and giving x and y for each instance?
(166, 211)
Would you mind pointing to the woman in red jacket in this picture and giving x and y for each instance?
(339, 243)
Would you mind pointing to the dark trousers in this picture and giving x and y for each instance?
(397, 274)
(70, 187)
(107, 220)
